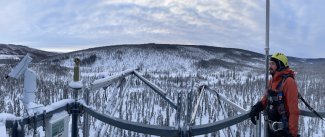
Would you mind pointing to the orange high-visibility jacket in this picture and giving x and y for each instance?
(290, 91)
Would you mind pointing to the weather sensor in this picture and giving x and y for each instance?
(29, 84)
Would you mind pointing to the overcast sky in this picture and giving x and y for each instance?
(297, 26)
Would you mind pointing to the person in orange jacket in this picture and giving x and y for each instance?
(280, 101)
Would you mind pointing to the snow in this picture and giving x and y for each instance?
(104, 79)
(229, 60)
(159, 62)
(174, 72)
(237, 52)
(37, 108)
(3, 130)
(33, 108)
(3, 118)
(7, 116)
(75, 84)
(58, 104)
(2, 56)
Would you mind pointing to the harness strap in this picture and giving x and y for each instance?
(309, 107)
(303, 100)
(279, 98)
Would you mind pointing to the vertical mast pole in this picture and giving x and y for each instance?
(267, 36)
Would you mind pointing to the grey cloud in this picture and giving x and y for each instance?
(238, 24)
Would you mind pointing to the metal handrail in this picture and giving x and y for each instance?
(134, 126)
(158, 90)
(197, 105)
(74, 107)
(213, 127)
(38, 118)
(222, 97)
(144, 128)
(104, 82)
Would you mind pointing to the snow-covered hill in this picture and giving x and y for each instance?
(11, 51)
(236, 73)
(165, 57)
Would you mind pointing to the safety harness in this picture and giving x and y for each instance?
(278, 119)
(301, 98)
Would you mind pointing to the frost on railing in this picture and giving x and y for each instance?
(16, 124)
(3, 118)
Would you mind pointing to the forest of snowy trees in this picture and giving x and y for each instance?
(175, 73)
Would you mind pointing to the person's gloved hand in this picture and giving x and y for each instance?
(256, 109)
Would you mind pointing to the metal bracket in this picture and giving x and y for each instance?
(15, 132)
(68, 108)
(75, 108)
(35, 123)
(81, 109)
(185, 131)
(44, 118)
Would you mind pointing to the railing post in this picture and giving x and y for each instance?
(75, 114)
(189, 106)
(178, 112)
(189, 113)
(86, 116)
(18, 129)
(184, 130)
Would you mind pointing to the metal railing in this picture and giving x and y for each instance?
(37, 120)
(185, 130)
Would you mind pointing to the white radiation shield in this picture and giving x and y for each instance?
(29, 84)
(21, 67)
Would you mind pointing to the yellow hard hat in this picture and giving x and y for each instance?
(282, 58)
